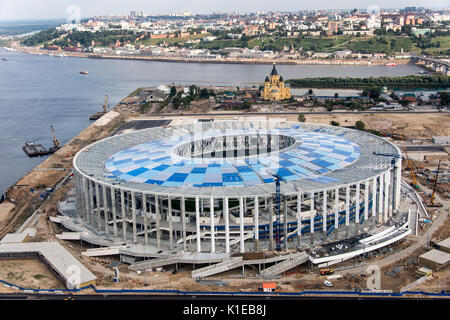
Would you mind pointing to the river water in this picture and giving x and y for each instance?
(39, 91)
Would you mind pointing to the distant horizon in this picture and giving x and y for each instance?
(26, 10)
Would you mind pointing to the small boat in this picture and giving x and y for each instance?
(390, 64)
(83, 72)
(5, 59)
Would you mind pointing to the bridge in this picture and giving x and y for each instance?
(433, 64)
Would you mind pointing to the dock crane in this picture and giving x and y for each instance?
(432, 203)
(56, 143)
(105, 107)
(97, 115)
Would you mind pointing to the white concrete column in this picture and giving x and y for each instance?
(241, 223)
(124, 220)
(366, 200)
(91, 202)
(144, 216)
(211, 215)
(197, 224)
(285, 221)
(357, 205)
(336, 209)
(183, 217)
(271, 223)
(311, 214)
(374, 197)
(133, 215)
(114, 211)
(158, 217)
(324, 211)
(299, 218)
(97, 200)
(86, 200)
(226, 214)
(380, 199)
(169, 218)
(256, 220)
(398, 181)
(387, 182)
(105, 208)
(347, 205)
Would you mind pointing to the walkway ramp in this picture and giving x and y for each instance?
(70, 235)
(106, 251)
(154, 263)
(248, 235)
(217, 268)
(291, 261)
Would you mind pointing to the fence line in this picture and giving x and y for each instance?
(233, 293)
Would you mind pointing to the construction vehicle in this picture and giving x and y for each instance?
(408, 161)
(97, 115)
(432, 203)
(327, 271)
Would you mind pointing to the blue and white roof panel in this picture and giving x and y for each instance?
(314, 156)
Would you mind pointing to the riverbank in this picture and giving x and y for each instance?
(361, 62)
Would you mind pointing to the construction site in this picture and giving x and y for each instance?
(385, 204)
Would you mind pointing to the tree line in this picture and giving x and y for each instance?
(433, 81)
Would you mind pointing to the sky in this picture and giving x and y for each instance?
(58, 9)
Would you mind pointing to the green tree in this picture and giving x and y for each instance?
(301, 117)
(173, 91)
(176, 102)
(310, 92)
(204, 93)
(360, 125)
(445, 98)
(334, 123)
(246, 105)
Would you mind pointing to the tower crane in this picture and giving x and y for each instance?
(408, 161)
(432, 203)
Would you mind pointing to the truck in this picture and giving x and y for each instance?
(327, 271)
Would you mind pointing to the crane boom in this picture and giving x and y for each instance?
(408, 161)
(55, 141)
(435, 185)
(106, 103)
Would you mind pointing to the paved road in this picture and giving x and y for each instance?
(283, 113)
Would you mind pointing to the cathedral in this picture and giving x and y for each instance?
(274, 88)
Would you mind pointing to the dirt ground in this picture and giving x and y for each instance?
(412, 126)
(28, 273)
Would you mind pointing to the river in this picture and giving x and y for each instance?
(37, 91)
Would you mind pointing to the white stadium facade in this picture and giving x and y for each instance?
(210, 187)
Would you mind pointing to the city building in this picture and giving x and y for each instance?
(274, 87)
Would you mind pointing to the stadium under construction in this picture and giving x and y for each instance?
(205, 192)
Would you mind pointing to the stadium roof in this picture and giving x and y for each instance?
(322, 157)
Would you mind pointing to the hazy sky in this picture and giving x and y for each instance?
(44, 9)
